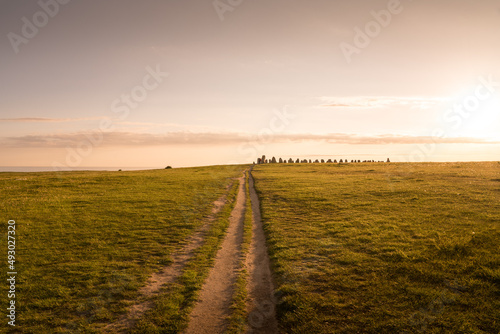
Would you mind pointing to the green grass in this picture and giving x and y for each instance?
(384, 248)
(170, 313)
(368, 248)
(238, 318)
(87, 241)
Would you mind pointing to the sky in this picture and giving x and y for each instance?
(187, 83)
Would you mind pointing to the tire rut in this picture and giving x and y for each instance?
(166, 275)
(262, 302)
(212, 309)
(210, 313)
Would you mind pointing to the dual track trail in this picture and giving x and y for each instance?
(211, 312)
(262, 317)
(213, 307)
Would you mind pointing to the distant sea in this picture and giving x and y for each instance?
(51, 169)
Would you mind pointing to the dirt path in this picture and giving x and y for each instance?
(166, 275)
(213, 307)
(261, 309)
(210, 313)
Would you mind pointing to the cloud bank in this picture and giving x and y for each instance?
(123, 139)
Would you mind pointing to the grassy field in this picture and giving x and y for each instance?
(355, 248)
(384, 248)
(86, 241)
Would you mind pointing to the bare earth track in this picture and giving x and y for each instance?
(262, 316)
(213, 307)
(167, 275)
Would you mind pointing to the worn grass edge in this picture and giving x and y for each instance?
(239, 313)
(170, 313)
(292, 304)
(280, 274)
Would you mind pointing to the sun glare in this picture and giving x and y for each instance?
(485, 122)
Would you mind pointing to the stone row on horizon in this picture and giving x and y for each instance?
(273, 160)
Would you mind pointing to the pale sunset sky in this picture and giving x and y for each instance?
(153, 83)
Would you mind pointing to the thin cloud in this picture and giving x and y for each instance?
(49, 120)
(123, 139)
(143, 126)
(356, 139)
(120, 139)
(380, 101)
